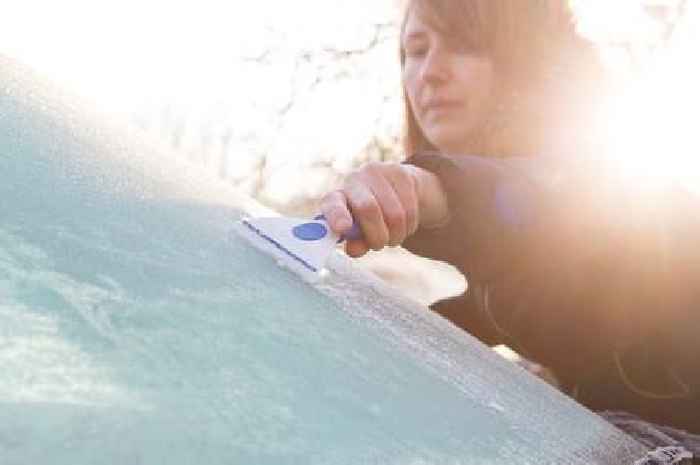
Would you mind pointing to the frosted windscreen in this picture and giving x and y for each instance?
(135, 328)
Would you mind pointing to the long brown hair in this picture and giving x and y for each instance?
(549, 77)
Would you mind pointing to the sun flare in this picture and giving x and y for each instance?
(648, 129)
(123, 54)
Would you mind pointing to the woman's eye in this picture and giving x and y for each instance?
(416, 50)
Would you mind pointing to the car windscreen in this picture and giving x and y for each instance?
(135, 327)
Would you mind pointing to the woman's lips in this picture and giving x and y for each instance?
(440, 104)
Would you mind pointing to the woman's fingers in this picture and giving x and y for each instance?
(404, 187)
(392, 211)
(334, 207)
(367, 211)
(356, 248)
(382, 198)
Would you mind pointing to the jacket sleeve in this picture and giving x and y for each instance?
(571, 263)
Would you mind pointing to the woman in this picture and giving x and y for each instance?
(582, 273)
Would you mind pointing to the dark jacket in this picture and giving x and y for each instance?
(581, 271)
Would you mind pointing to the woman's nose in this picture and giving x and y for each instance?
(435, 67)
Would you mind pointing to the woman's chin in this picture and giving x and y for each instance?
(448, 136)
(450, 143)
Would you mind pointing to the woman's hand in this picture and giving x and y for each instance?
(389, 201)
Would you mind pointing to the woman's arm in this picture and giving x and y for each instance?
(573, 265)
(570, 264)
(389, 201)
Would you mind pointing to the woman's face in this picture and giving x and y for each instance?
(449, 88)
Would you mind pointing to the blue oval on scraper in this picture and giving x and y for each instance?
(310, 231)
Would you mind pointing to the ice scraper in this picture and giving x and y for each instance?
(301, 245)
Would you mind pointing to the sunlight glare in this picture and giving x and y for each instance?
(650, 126)
(650, 133)
(127, 53)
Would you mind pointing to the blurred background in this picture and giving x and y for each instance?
(282, 99)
